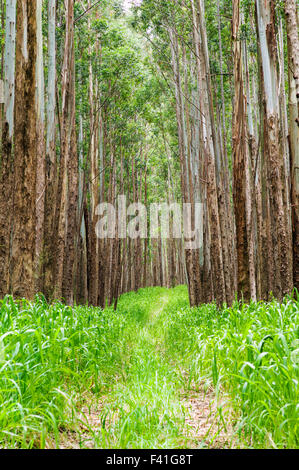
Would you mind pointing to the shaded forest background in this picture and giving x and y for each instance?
(182, 100)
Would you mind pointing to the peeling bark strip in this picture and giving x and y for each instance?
(282, 281)
(25, 161)
(6, 193)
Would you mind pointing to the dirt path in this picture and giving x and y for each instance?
(201, 425)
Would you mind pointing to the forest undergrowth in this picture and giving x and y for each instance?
(153, 374)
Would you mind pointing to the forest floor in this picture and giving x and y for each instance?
(154, 374)
(153, 378)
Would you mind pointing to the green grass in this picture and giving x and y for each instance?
(252, 353)
(129, 366)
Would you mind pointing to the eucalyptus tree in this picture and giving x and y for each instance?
(25, 152)
(280, 264)
(187, 112)
(6, 192)
(67, 187)
(50, 160)
(240, 157)
(291, 11)
(40, 175)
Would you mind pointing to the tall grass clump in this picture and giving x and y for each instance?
(251, 352)
(52, 354)
(136, 361)
(49, 353)
(144, 410)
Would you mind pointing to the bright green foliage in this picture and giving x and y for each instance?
(136, 362)
(51, 355)
(252, 352)
(47, 353)
(136, 107)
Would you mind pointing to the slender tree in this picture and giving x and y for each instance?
(6, 163)
(25, 155)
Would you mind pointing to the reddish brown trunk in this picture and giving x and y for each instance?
(25, 161)
(240, 160)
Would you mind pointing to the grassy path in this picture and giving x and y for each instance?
(153, 374)
(150, 403)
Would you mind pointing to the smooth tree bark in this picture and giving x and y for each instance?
(182, 149)
(6, 162)
(51, 164)
(291, 11)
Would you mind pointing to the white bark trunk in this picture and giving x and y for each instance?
(51, 78)
(9, 64)
(269, 71)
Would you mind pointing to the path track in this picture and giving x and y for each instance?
(149, 376)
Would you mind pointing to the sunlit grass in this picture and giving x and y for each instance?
(131, 362)
(251, 352)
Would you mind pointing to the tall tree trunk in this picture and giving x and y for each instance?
(40, 177)
(6, 182)
(282, 282)
(291, 11)
(72, 176)
(67, 121)
(25, 161)
(240, 162)
(293, 59)
(51, 167)
(94, 180)
(219, 258)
